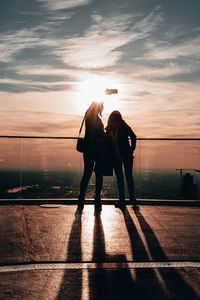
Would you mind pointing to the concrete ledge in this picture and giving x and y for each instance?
(74, 201)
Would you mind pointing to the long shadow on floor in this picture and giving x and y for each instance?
(146, 283)
(174, 286)
(103, 283)
(71, 286)
(118, 284)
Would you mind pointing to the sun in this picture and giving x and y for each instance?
(94, 89)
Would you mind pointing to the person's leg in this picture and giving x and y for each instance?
(120, 180)
(99, 165)
(98, 189)
(128, 169)
(98, 186)
(88, 168)
(98, 182)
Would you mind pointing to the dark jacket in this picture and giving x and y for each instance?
(95, 136)
(126, 138)
(93, 127)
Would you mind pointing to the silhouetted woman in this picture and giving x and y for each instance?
(122, 149)
(94, 155)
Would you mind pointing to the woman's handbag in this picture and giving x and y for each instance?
(81, 144)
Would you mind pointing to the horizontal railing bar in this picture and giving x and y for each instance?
(75, 138)
(168, 139)
(39, 137)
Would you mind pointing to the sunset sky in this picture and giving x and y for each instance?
(58, 56)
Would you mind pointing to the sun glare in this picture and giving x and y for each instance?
(93, 89)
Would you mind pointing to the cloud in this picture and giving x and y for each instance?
(164, 51)
(97, 48)
(63, 4)
(53, 47)
(101, 45)
(53, 20)
(21, 85)
(35, 119)
(149, 23)
(14, 42)
(43, 78)
(161, 108)
(17, 41)
(176, 58)
(165, 71)
(48, 70)
(151, 107)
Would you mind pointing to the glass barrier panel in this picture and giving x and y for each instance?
(10, 168)
(169, 169)
(34, 168)
(50, 169)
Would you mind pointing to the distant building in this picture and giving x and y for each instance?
(188, 186)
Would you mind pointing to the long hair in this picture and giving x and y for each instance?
(114, 120)
(95, 109)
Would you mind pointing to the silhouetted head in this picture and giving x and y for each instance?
(115, 118)
(96, 108)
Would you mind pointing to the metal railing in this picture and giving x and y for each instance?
(76, 137)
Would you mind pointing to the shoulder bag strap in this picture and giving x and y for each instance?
(81, 126)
